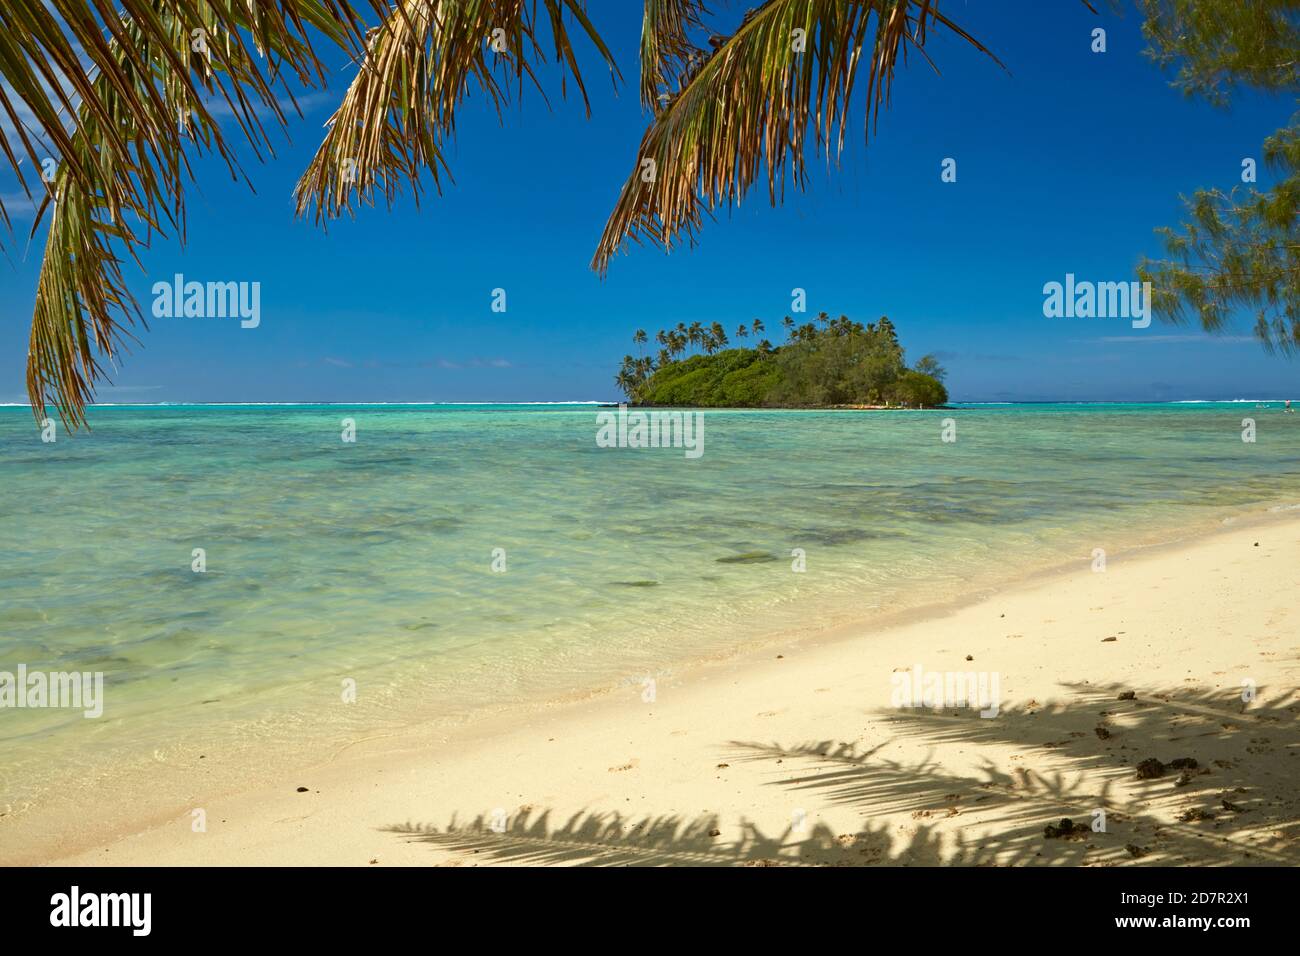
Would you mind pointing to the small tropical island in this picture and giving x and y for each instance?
(826, 363)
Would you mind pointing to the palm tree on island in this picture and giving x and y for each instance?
(844, 363)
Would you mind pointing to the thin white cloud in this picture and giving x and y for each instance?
(474, 363)
(18, 205)
(307, 102)
(1152, 339)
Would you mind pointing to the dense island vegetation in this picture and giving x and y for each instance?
(826, 362)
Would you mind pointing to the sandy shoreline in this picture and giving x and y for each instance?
(797, 754)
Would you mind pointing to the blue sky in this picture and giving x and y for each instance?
(1066, 163)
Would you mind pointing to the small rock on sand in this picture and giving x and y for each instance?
(1150, 768)
(1067, 829)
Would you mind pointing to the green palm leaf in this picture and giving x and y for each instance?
(755, 102)
(418, 68)
(119, 94)
(666, 48)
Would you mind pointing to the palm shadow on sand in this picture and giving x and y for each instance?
(1239, 805)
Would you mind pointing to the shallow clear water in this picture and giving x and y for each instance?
(329, 561)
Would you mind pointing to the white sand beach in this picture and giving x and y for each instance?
(795, 755)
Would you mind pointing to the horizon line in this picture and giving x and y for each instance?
(1048, 401)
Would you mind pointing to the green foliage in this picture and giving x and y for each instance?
(734, 378)
(843, 364)
(917, 388)
(929, 365)
(840, 363)
(1217, 45)
(1239, 249)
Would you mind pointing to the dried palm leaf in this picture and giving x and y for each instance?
(116, 95)
(418, 67)
(791, 65)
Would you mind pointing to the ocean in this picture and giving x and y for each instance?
(455, 561)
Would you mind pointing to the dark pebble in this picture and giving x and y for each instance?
(1150, 768)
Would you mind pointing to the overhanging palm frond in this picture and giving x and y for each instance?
(417, 69)
(667, 51)
(117, 100)
(792, 64)
(68, 62)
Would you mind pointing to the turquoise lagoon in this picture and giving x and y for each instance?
(373, 561)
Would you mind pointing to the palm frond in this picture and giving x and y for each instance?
(418, 67)
(118, 98)
(752, 104)
(667, 51)
(69, 62)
